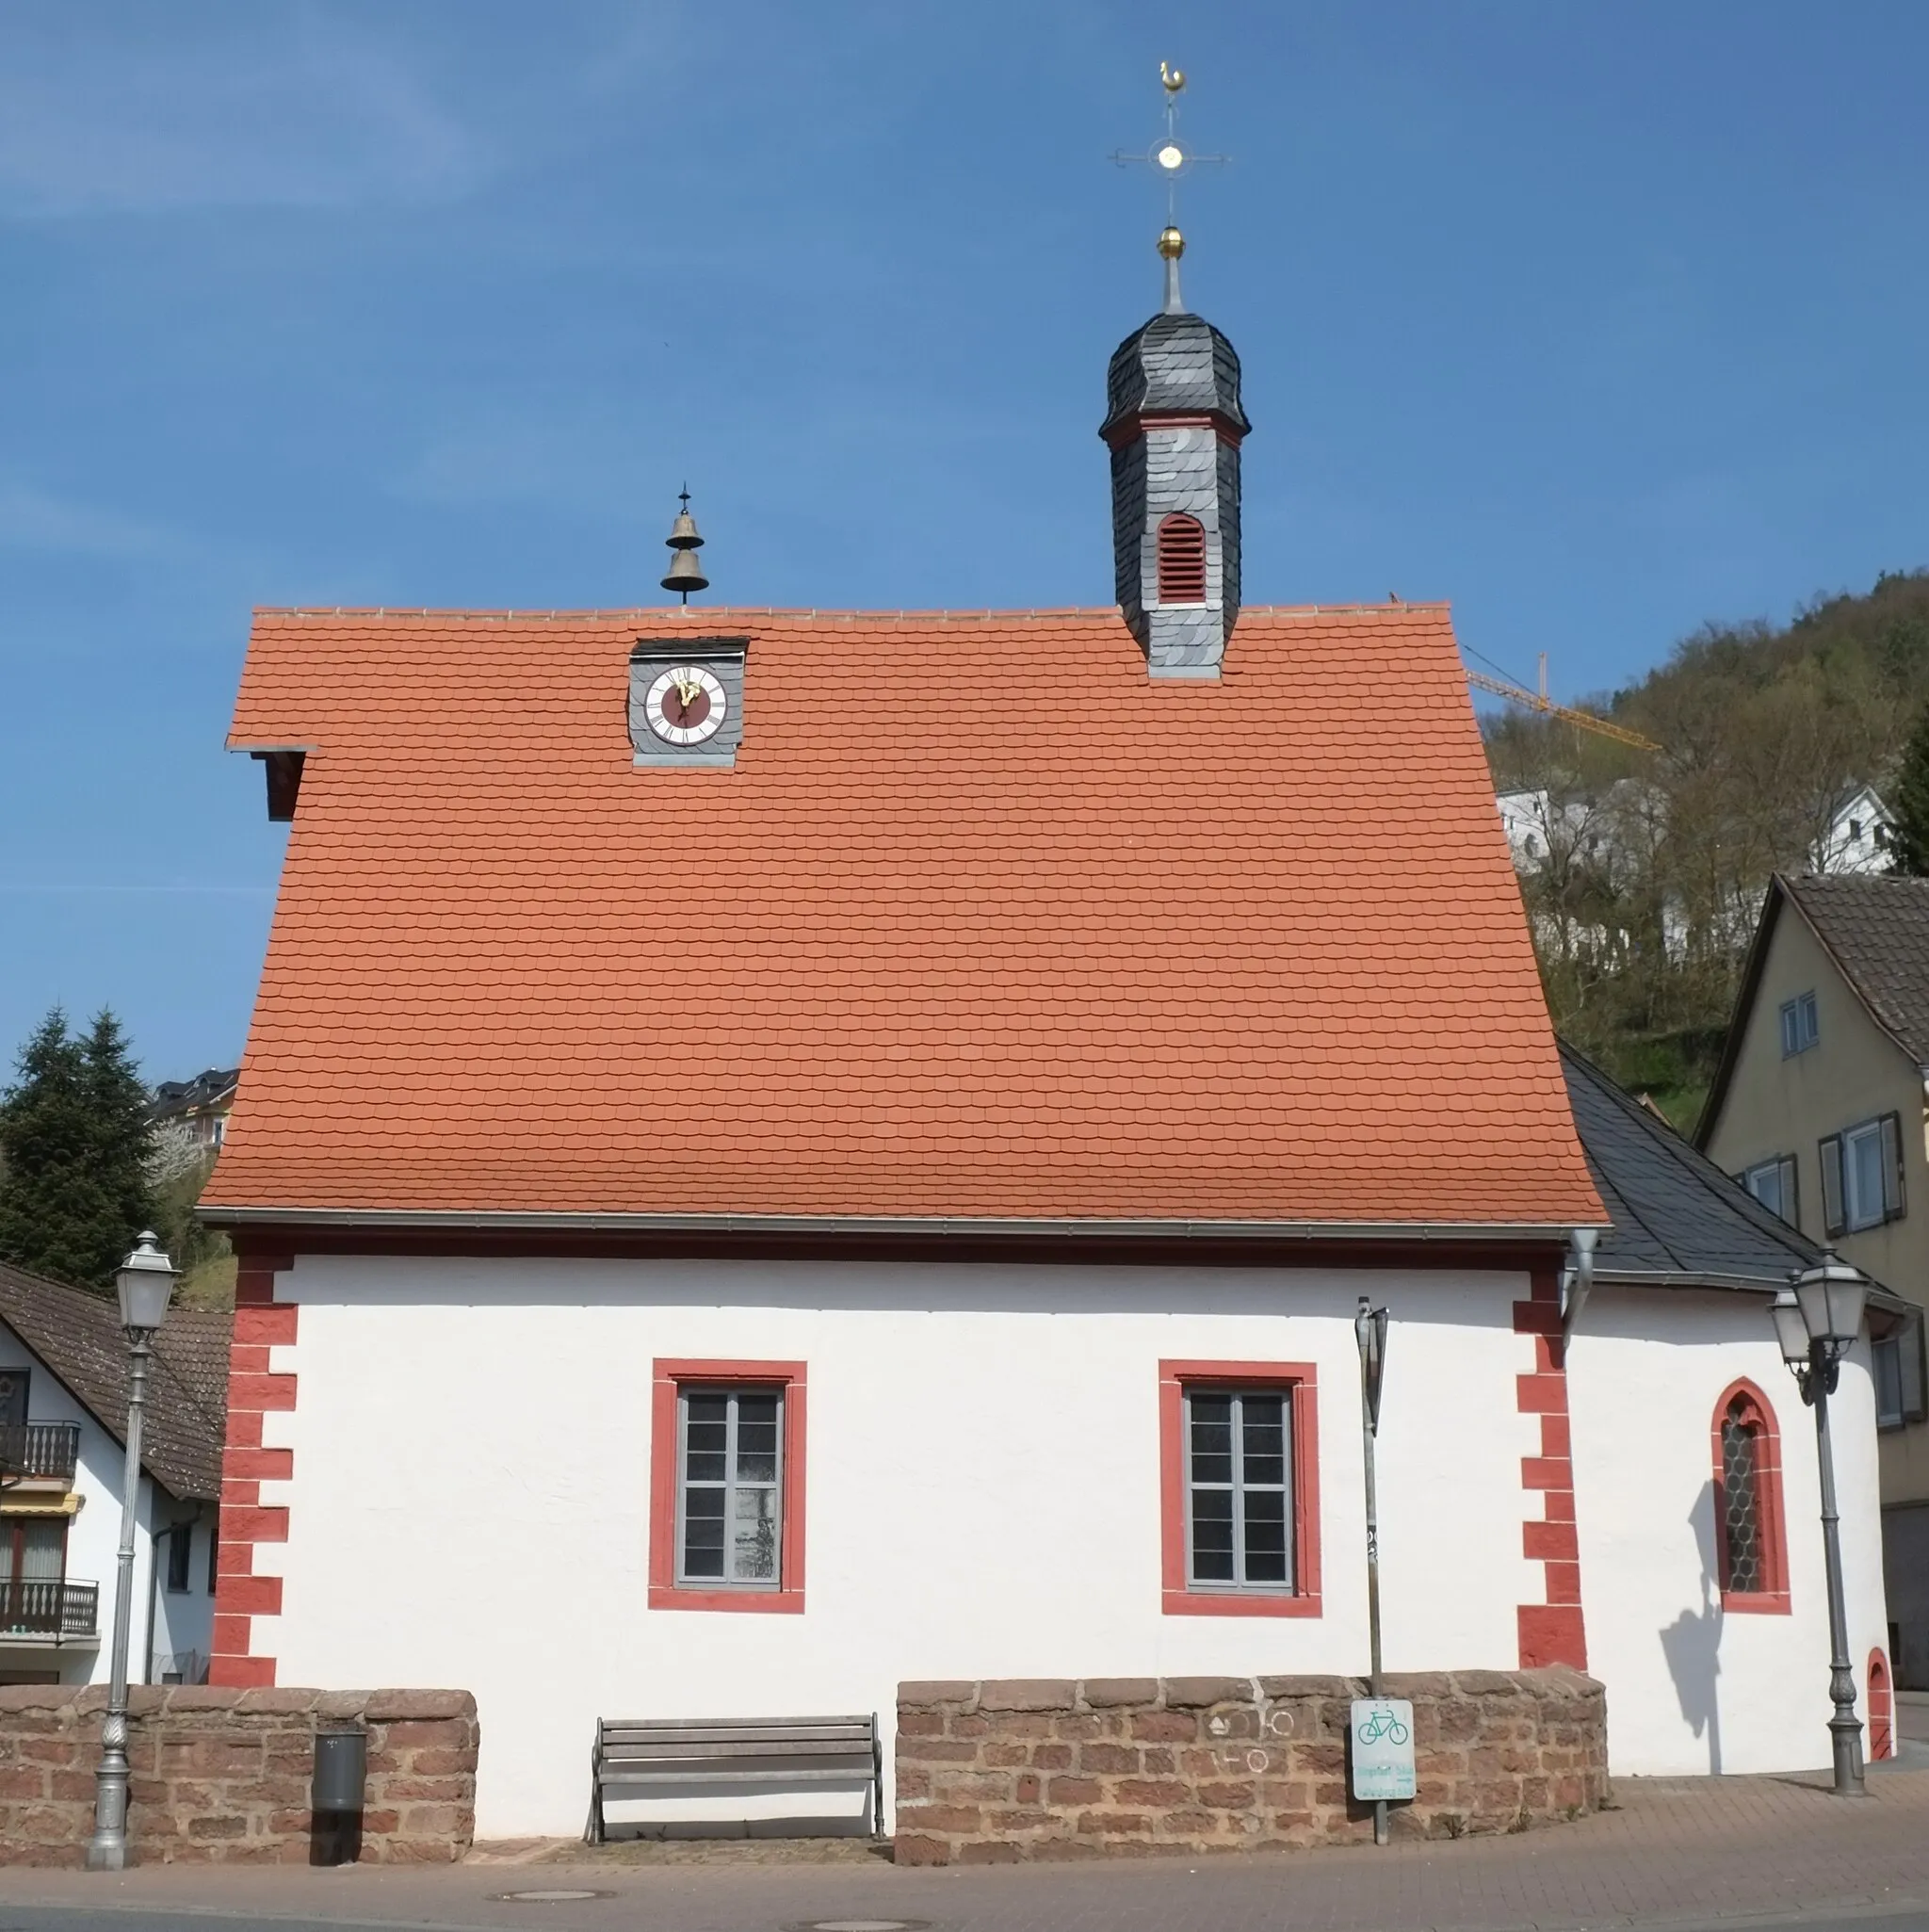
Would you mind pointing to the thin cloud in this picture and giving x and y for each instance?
(294, 110)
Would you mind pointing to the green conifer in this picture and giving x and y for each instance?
(1908, 839)
(74, 1192)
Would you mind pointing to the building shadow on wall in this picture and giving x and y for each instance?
(1691, 1644)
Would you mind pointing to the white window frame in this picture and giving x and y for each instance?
(1238, 1584)
(1777, 1178)
(733, 1394)
(1897, 1362)
(1801, 1025)
(1859, 1213)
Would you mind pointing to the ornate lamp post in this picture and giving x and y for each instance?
(144, 1283)
(1816, 1322)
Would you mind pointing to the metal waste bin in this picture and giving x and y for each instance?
(341, 1767)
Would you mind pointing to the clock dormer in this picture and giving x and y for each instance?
(686, 701)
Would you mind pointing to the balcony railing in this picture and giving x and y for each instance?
(39, 1450)
(29, 1607)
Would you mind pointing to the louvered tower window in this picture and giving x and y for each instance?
(1181, 560)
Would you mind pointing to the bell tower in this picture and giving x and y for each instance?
(1174, 424)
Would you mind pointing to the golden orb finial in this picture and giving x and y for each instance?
(1171, 244)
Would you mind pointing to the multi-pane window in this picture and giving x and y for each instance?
(730, 1487)
(180, 1556)
(1898, 1363)
(1801, 1027)
(1743, 1542)
(1773, 1183)
(1238, 1489)
(1862, 1176)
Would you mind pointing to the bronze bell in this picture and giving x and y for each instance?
(686, 572)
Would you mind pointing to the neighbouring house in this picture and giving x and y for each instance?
(1855, 839)
(1820, 1106)
(63, 1413)
(189, 1118)
(785, 1152)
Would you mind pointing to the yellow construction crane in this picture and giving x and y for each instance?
(1519, 694)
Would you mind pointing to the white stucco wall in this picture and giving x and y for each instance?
(471, 1496)
(470, 1502)
(1690, 1689)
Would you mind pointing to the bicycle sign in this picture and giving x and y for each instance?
(1382, 1764)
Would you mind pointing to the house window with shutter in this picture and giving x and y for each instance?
(1862, 1176)
(1748, 1502)
(1181, 560)
(1773, 1183)
(1897, 1359)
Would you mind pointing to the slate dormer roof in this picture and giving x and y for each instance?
(1678, 1220)
(984, 928)
(78, 1336)
(1174, 365)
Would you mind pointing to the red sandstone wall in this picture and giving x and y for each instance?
(223, 1776)
(997, 1771)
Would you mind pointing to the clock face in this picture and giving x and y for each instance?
(685, 705)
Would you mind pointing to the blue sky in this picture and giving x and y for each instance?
(1599, 321)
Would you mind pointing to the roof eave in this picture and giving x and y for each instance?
(401, 1220)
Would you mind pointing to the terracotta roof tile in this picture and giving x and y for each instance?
(983, 923)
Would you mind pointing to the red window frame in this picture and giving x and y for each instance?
(668, 1379)
(1881, 1707)
(1773, 1599)
(1301, 1381)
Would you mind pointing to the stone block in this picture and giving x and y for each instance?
(388, 1706)
(1154, 1792)
(1196, 1693)
(1053, 1757)
(1074, 1791)
(1026, 1694)
(938, 1691)
(1165, 1726)
(1103, 1692)
(961, 1820)
(920, 1848)
(981, 1852)
(1108, 1759)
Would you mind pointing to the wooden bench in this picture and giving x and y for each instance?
(637, 1756)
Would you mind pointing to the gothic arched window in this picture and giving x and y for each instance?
(1748, 1502)
(1181, 560)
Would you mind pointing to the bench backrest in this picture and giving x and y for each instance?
(632, 1745)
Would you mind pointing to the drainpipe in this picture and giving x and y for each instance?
(153, 1571)
(1577, 1279)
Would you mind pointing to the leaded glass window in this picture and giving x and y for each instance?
(730, 1487)
(1742, 1524)
(1238, 1489)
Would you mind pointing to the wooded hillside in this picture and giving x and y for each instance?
(1644, 903)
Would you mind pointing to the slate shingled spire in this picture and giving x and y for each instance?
(1175, 425)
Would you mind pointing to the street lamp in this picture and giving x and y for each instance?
(1816, 1322)
(145, 1281)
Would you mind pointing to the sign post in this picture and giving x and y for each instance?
(1369, 1331)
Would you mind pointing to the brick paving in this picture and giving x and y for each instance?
(1673, 1850)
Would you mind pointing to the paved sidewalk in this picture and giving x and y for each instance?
(1686, 1850)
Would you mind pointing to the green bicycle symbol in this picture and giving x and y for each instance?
(1383, 1724)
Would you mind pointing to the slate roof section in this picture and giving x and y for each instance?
(1877, 929)
(1174, 365)
(984, 925)
(77, 1335)
(1678, 1220)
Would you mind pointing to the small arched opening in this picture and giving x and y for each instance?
(1181, 560)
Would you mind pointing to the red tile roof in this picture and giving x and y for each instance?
(984, 923)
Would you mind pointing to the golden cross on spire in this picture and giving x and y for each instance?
(1170, 157)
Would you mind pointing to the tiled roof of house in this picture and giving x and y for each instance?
(77, 1335)
(1678, 1219)
(984, 923)
(1877, 927)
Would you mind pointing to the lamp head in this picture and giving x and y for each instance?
(144, 1282)
(1790, 1331)
(1831, 1295)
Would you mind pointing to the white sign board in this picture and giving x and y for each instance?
(1381, 1747)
